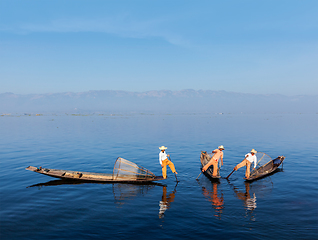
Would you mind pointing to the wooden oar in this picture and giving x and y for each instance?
(230, 174)
(176, 177)
(198, 176)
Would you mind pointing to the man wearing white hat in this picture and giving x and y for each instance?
(163, 160)
(248, 160)
(218, 154)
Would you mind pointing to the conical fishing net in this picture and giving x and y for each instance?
(264, 163)
(262, 159)
(127, 170)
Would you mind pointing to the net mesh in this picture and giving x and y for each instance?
(124, 169)
(205, 158)
(262, 159)
(264, 163)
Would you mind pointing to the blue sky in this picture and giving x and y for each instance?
(139, 45)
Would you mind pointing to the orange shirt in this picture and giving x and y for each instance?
(217, 154)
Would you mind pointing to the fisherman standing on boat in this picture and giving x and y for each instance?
(218, 154)
(248, 160)
(163, 160)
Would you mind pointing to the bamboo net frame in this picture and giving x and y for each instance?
(264, 163)
(126, 169)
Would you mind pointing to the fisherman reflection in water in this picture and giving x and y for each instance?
(212, 196)
(164, 161)
(249, 201)
(164, 204)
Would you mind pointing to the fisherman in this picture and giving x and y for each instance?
(248, 160)
(163, 160)
(218, 153)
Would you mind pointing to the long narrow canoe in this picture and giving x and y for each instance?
(205, 158)
(266, 169)
(90, 176)
(124, 171)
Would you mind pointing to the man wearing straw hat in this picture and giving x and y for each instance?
(218, 154)
(248, 160)
(163, 160)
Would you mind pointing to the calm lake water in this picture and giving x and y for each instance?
(281, 206)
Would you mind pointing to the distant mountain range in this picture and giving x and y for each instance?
(164, 101)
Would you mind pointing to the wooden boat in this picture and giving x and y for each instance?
(124, 171)
(266, 169)
(205, 158)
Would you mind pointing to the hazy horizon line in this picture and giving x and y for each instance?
(161, 90)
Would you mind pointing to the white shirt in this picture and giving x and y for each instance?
(162, 156)
(251, 158)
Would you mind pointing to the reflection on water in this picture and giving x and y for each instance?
(122, 191)
(216, 199)
(165, 202)
(56, 183)
(248, 198)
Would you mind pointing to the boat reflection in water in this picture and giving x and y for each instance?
(121, 191)
(165, 202)
(216, 199)
(56, 183)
